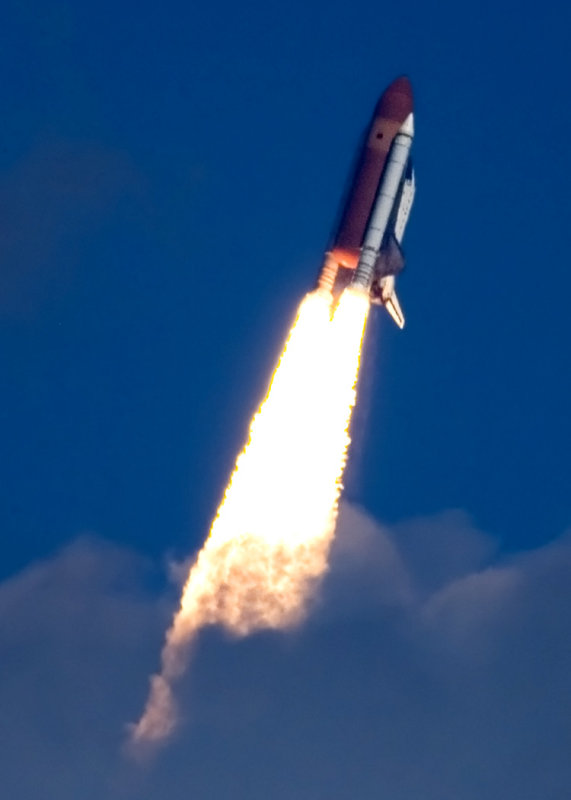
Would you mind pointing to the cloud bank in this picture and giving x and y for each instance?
(431, 668)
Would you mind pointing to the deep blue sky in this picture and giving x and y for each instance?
(169, 174)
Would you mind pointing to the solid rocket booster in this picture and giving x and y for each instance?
(384, 204)
(366, 248)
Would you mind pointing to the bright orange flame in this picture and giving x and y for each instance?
(269, 542)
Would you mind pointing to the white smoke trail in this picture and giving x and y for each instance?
(269, 542)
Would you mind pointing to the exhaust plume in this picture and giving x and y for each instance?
(269, 543)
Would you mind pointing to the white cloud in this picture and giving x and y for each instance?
(394, 689)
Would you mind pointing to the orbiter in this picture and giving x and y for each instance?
(366, 249)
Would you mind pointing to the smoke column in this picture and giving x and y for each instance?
(269, 542)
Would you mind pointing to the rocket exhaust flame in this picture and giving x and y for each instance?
(269, 543)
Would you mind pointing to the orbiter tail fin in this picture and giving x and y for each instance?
(393, 307)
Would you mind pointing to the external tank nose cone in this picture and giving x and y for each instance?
(396, 102)
(402, 86)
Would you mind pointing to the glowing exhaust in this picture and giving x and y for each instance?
(269, 543)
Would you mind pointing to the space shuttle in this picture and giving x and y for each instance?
(366, 248)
